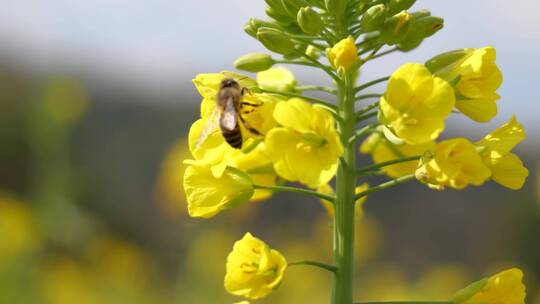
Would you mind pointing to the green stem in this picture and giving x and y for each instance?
(370, 83)
(382, 54)
(373, 167)
(344, 205)
(367, 96)
(309, 98)
(367, 108)
(361, 132)
(397, 181)
(296, 190)
(324, 266)
(405, 302)
(316, 88)
(325, 68)
(366, 116)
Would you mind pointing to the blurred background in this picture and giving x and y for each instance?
(95, 104)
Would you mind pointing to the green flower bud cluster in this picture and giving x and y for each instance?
(389, 23)
(305, 29)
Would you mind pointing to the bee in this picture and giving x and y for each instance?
(227, 115)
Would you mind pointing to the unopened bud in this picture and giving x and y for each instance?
(275, 40)
(421, 13)
(335, 6)
(373, 18)
(446, 59)
(293, 6)
(421, 29)
(280, 17)
(254, 24)
(254, 62)
(313, 52)
(309, 20)
(396, 28)
(396, 6)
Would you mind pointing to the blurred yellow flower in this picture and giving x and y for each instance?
(383, 150)
(454, 163)
(253, 268)
(207, 195)
(306, 147)
(17, 229)
(506, 167)
(343, 55)
(170, 176)
(416, 104)
(503, 288)
(478, 80)
(276, 79)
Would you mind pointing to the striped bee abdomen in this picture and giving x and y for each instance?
(233, 137)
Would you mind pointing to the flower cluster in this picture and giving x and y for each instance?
(254, 136)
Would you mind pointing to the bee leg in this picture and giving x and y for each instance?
(248, 127)
(245, 90)
(247, 111)
(244, 103)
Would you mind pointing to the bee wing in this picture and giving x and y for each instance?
(211, 124)
(228, 118)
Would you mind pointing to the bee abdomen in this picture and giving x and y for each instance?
(233, 137)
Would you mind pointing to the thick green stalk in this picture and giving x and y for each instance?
(344, 201)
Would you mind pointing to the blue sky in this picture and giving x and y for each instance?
(163, 43)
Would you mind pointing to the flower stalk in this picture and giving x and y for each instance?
(345, 191)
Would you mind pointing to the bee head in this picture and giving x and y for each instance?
(229, 83)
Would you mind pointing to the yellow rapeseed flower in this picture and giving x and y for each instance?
(207, 195)
(276, 79)
(502, 288)
(383, 150)
(416, 104)
(306, 147)
(454, 163)
(343, 55)
(506, 167)
(253, 268)
(478, 80)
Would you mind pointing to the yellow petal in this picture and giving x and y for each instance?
(509, 171)
(503, 139)
(481, 110)
(208, 195)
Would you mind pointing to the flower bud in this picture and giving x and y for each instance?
(313, 52)
(276, 6)
(373, 18)
(276, 79)
(309, 20)
(396, 6)
(396, 28)
(344, 54)
(281, 18)
(444, 60)
(422, 28)
(335, 6)
(293, 6)
(421, 13)
(275, 40)
(254, 62)
(254, 24)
